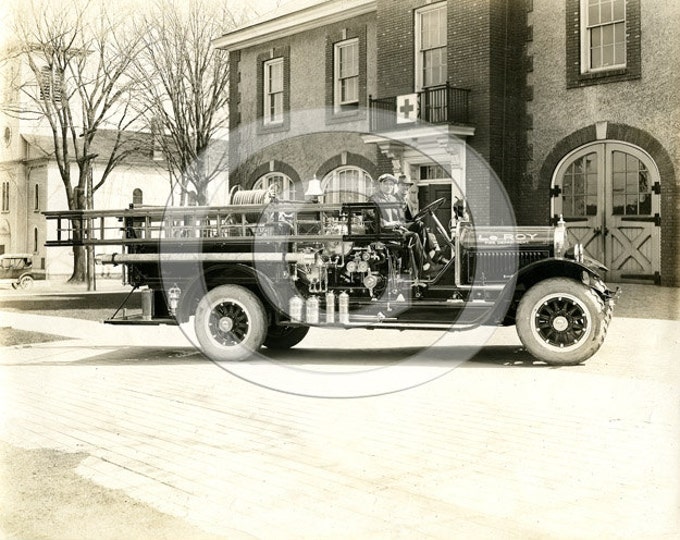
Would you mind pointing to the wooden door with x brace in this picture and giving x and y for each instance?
(609, 195)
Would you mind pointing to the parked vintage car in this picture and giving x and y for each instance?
(17, 269)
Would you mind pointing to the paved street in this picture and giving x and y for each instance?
(497, 447)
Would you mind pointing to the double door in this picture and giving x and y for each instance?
(609, 195)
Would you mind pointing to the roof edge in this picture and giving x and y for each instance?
(293, 23)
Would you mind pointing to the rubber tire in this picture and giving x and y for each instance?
(593, 307)
(285, 337)
(251, 306)
(25, 282)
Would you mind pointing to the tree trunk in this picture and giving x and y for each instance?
(79, 265)
(79, 255)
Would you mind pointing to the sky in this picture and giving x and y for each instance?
(261, 7)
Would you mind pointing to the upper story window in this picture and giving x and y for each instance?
(50, 84)
(431, 54)
(36, 198)
(603, 34)
(346, 69)
(603, 41)
(5, 196)
(279, 184)
(137, 196)
(273, 91)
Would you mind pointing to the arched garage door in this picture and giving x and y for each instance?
(609, 194)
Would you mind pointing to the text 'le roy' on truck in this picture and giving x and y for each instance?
(262, 271)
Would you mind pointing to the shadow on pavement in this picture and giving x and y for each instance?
(491, 356)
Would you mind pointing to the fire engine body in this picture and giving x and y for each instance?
(249, 275)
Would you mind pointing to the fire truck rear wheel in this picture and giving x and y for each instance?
(230, 323)
(561, 321)
(285, 337)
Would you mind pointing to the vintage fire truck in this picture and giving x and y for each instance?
(261, 272)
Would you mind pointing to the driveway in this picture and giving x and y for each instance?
(499, 447)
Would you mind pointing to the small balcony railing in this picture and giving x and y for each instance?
(436, 105)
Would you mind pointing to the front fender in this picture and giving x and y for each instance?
(586, 272)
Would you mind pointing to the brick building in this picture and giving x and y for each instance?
(528, 109)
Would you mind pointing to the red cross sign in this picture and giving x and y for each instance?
(407, 108)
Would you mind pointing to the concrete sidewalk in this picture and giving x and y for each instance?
(485, 451)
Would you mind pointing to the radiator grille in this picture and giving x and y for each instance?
(498, 265)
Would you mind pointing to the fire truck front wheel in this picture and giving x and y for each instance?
(230, 323)
(561, 321)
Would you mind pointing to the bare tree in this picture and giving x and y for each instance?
(78, 56)
(186, 87)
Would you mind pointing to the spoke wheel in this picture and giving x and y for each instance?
(26, 282)
(561, 321)
(230, 323)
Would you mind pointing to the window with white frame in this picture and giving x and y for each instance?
(603, 34)
(346, 69)
(431, 56)
(273, 91)
(347, 184)
(279, 184)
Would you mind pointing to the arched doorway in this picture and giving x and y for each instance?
(609, 194)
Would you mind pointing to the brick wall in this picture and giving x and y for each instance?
(485, 55)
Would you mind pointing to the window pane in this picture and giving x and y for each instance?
(592, 184)
(349, 64)
(644, 181)
(276, 77)
(596, 37)
(619, 10)
(433, 28)
(349, 90)
(619, 161)
(619, 180)
(619, 54)
(605, 11)
(591, 163)
(606, 33)
(434, 67)
(591, 209)
(567, 184)
(618, 205)
(579, 207)
(645, 205)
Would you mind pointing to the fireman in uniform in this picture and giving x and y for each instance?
(392, 217)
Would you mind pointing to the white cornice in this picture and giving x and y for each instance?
(305, 19)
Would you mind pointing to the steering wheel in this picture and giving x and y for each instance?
(432, 207)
